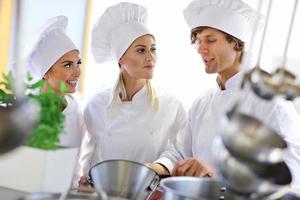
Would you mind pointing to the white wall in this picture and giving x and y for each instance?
(179, 69)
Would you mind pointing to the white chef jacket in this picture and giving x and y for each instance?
(74, 126)
(129, 130)
(195, 140)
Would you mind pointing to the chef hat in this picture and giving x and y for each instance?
(117, 29)
(231, 16)
(51, 44)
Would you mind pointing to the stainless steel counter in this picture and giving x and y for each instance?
(9, 194)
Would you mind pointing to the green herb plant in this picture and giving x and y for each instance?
(50, 123)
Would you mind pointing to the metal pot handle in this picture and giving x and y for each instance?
(154, 183)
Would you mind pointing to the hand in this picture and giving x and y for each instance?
(84, 185)
(190, 167)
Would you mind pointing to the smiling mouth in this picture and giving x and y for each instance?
(72, 83)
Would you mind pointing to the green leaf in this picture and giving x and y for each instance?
(36, 85)
(50, 123)
(63, 87)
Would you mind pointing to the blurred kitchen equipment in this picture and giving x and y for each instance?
(249, 139)
(124, 178)
(191, 188)
(247, 178)
(16, 122)
(286, 81)
(279, 83)
(235, 175)
(57, 196)
(260, 80)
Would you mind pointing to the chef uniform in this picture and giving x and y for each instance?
(205, 116)
(130, 130)
(51, 44)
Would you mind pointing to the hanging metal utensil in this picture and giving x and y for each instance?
(281, 82)
(260, 80)
(284, 80)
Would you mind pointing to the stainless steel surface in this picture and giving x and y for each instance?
(248, 139)
(191, 188)
(123, 178)
(234, 174)
(268, 85)
(16, 124)
(251, 177)
(10, 194)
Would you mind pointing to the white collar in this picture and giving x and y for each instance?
(232, 82)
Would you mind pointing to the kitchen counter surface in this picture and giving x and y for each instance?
(9, 194)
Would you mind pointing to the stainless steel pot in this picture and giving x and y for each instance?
(249, 178)
(124, 178)
(248, 139)
(191, 188)
(234, 174)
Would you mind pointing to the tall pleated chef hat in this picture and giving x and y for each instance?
(231, 16)
(117, 29)
(51, 44)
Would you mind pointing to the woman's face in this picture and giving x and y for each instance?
(139, 60)
(66, 70)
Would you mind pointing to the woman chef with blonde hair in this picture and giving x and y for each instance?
(133, 120)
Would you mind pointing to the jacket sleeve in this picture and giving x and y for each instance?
(287, 123)
(88, 152)
(180, 147)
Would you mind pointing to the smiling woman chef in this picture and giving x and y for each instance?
(55, 58)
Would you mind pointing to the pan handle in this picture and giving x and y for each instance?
(156, 180)
(154, 183)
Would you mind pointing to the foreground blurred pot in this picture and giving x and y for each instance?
(123, 178)
(192, 188)
(16, 124)
(248, 139)
(249, 178)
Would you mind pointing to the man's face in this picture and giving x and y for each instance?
(218, 55)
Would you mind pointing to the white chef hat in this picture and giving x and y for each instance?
(231, 16)
(51, 44)
(117, 29)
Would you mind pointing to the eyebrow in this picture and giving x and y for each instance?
(69, 61)
(66, 61)
(207, 36)
(141, 45)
